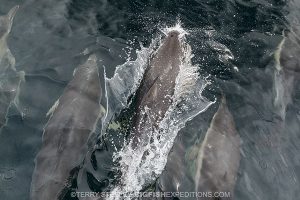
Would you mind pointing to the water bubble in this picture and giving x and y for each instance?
(263, 164)
(9, 174)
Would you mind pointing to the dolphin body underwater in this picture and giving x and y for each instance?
(212, 165)
(287, 69)
(219, 155)
(155, 93)
(65, 136)
(10, 79)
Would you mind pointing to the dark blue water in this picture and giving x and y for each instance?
(48, 39)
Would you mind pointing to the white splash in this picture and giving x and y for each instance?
(177, 27)
(187, 76)
(125, 82)
(141, 165)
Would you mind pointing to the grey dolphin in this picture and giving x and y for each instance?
(154, 95)
(10, 79)
(73, 118)
(287, 68)
(219, 156)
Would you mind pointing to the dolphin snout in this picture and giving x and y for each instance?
(174, 34)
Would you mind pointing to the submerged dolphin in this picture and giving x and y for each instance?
(154, 95)
(219, 156)
(9, 78)
(73, 118)
(6, 22)
(287, 69)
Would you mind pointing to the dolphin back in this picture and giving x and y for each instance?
(219, 156)
(154, 96)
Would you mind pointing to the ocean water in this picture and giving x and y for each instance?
(235, 47)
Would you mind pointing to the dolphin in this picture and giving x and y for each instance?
(287, 69)
(64, 142)
(219, 155)
(154, 95)
(10, 79)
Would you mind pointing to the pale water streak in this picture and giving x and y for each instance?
(10, 79)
